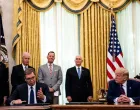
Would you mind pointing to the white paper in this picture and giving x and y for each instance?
(56, 93)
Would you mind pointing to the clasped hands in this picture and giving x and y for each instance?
(40, 96)
(123, 99)
(69, 99)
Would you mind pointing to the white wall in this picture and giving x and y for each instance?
(7, 17)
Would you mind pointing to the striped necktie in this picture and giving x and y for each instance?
(50, 67)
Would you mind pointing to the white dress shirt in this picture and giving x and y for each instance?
(29, 90)
(49, 66)
(24, 67)
(80, 69)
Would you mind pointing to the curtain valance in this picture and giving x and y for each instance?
(78, 6)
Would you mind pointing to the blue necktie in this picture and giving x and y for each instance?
(79, 73)
(32, 96)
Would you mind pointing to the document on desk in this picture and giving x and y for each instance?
(56, 93)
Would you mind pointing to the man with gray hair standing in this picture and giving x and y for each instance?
(51, 75)
(78, 83)
(17, 76)
(122, 89)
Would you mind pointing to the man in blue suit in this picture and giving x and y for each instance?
(122, 89)
(30, 92)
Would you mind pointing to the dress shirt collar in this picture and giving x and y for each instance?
(49, 64)
(78, 67)
(24, 66)
(34, 87)
(125, 84)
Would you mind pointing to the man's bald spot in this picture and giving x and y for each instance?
(79, 57)
(25, 54)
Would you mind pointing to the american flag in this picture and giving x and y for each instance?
(3, 50)
(115, 55)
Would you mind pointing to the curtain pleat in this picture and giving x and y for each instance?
(94, 36)
(30, 36)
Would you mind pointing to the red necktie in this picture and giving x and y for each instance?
(122, 90)
(50, 69)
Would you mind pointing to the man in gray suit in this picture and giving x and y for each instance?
(51, 75)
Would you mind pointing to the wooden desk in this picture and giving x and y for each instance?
(24, 107)
(74, 107)
(95, 107)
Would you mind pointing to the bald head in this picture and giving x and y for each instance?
(121, 75)
(25, 58)
(78, 60)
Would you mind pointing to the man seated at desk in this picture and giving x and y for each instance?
(30, 92)
(122, 89)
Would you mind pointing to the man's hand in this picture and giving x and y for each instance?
(51, 89)
(4, 99)
(89, 98)
(125, 98)
(69, 99)
(18, 101)
(119, 100)
(40, 94)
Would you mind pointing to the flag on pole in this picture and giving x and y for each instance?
(114, 55)
(3, 50)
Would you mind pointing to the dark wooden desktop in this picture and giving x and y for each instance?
(74, 107)
(95, 107)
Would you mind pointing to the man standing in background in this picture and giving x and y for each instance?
(51, 75)
(78, 83)
(17, 76)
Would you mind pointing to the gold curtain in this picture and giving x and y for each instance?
(138, 1)
(29, 39)
(116, 5)
(94, 38)
(78, 6)
(40, 5)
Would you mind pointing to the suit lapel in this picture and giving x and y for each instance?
(54, 68)
(37, 88)
(26, 93)
(117, 89)
(82, 72)
(128, 88)
(47, 69)
(21, 68)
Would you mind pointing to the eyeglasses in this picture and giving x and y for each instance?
(29, 79)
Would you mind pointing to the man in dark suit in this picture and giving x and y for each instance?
(30, 92)
(122, 89)
(17, 76)
(78, 83)
(3, 82)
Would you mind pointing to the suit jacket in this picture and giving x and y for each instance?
(3, 82)
(54, 79)
(17, 76)
(78, 89)
(133, 90)
(21, 92)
